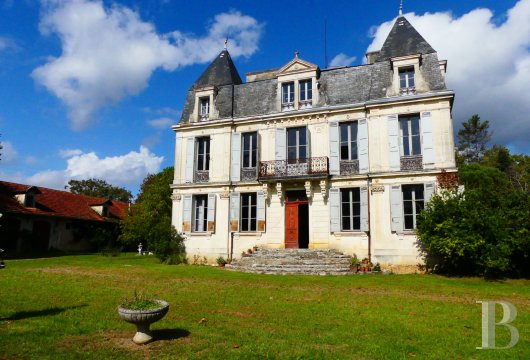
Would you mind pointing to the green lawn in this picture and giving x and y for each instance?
(65, 308)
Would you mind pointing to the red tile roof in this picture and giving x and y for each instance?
(56, 203)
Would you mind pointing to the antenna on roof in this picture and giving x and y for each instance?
(296, 53)
(226, 43)
(325, 43)
(401, 8)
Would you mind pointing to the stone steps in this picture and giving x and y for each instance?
(293, 261)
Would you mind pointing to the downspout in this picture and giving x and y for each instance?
(368, 183)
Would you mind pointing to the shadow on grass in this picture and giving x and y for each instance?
(169, 334)
(20, 315)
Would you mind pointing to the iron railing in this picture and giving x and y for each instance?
(349, 167)
(249, 174)
(414, 162)
(293, 168)
(202, 176)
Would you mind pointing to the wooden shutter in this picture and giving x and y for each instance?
(364, 209)
(362, 145)
(235, 199)
(396, 208)
(261, 210)
(281, 147)
(393, 143)
(308, 142)
(334, 210)
(427, 138)
(334, 148)
(186, 213)
(190, 158)
(235, 161)
(428, 191)
(211, 212)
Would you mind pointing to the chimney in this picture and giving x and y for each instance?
(371, 56)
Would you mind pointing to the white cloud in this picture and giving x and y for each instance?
(9, 153)
(488, 66)
(161, 123)
(66, 153)
(342, 60)
(109, 53)
(123, 170)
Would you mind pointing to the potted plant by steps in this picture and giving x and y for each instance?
(221, 261)
(354, 262)
(142, 312)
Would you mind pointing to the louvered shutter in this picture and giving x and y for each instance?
(428, 191)
(308, 143)
(334, 148)
(396, 208)
(186, 213)
(235, 161)
(261, 210)
(211, 212)
(362, 143)
(364, 209)
(334, 210)
(393, 143)
(280, 150)
(234, 211)
(190, 157)
(427, 138)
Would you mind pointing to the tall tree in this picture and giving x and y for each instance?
(472, 140)
(516, 167)
(99, 188)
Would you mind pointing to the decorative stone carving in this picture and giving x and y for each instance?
(224, 195)
(279, 190)
(324, 188)
(307, 187)
(176, 197)
(378, 189)
(265, 189)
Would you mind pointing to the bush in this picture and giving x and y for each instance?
(168, 246)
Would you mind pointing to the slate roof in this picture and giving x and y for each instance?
(221, 71)
(56, 203)
(403, 40)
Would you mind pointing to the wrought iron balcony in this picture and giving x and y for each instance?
(202, 176)
(408, 90)
(314, 167)
(249, 174)
(414, 162)
(349, 167)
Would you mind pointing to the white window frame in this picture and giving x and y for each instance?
(205, 163)
(297, 146)
(349, 140)
(409, 75)
(408, 120)
(204, 108)
(413, 188)
(247, 210)
(200, 213)
(351, 203)
(305, 90)
(288, 92)
(252, 151)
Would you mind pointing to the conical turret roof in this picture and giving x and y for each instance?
(403, 40)
(221, 71)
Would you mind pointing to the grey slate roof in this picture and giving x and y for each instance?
(403, 40)
(221, 71)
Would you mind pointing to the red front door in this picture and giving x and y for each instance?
(291, 225)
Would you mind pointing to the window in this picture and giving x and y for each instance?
(406, 78)
(296, 145)
(104, 211)
(288, 96)
(348, 141)
(350, 209)
(204, 110)
(413, 201)
(29, 200)
(248, 212)
(200, 213)
(409, 131)
(306, 93)
(250, 150)
(203, 154)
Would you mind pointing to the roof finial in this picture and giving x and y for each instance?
(296, 53)
(401, 8)
(226, 43)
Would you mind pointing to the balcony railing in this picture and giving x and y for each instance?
(316, 166)
(414, 162)
(349, 167)
(249, 174)
(202, 176)
(407, 90)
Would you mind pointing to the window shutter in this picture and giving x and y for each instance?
(393, 143)
(235, 162)
(308, 141)
(281, 151)
(364, 209)
(190, 158)
(261, 210)
(334, 210)
(428, 191)
(186, 213)
(234, 211)
(362, 143)
(427, 140)
(334, 149)
(211, 212)
(396, 208)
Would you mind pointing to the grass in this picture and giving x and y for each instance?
(66, 308)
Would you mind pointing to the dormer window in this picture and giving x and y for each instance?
(306, 93)
(407, 85)
(29, 200)
(204, 110)
(288, 96)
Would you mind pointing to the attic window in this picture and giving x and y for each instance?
(288, 96)
(105, 211)
(204, 110)
(29, 200)
(306, 93)
(406, 81)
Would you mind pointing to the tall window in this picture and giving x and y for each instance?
(288, 93)
(409, 131)
(306, 90)
(248, 212)
(296, 144)
(200, 213)
(348, 141)
(203, 154)
(413, 202)
(406, 78)
(204, 110)
(350, 209)
(250, 149)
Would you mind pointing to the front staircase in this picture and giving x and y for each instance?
(293, 261)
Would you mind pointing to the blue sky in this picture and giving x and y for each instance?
(90, 88)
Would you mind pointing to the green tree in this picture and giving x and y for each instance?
(149, 220)
(99, 188)
(472, 140)
(484, 230)
(516, 167)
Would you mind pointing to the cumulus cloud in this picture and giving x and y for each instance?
(488, 66)
(9, 153)
(342, 60)
(123, 170)
(109, 53)
(161, 123)
(66, 153)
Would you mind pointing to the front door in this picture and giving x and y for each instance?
(291, 225)
(296, 219)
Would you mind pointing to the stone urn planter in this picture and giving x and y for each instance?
(143, 320)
